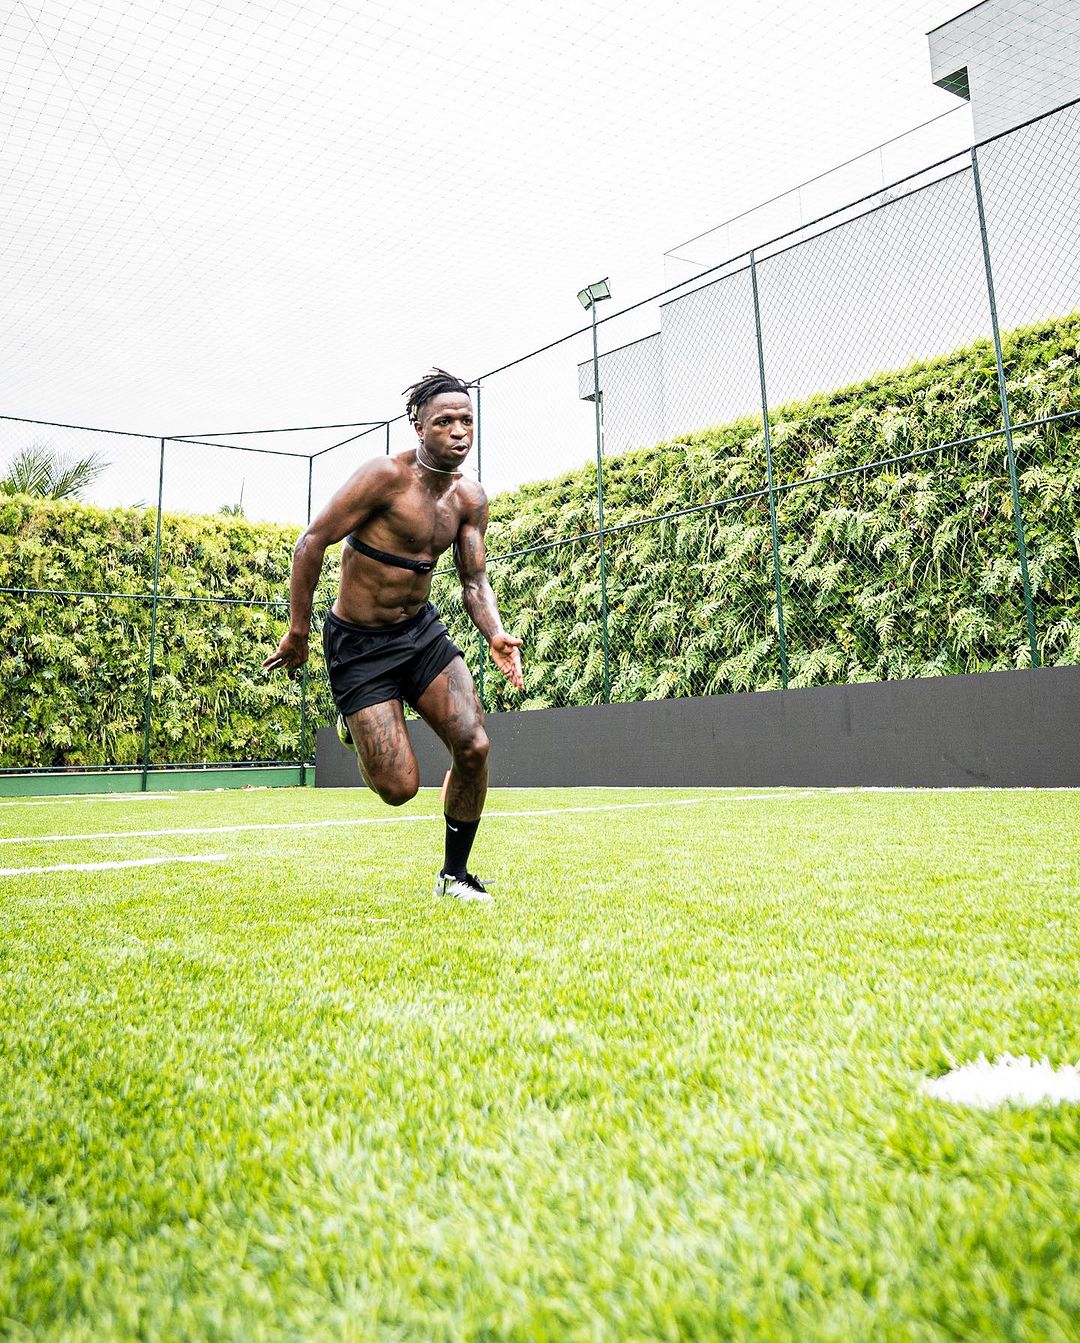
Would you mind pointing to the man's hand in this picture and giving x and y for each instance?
(504, 653)
(291, 653)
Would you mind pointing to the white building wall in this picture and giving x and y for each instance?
(1022, 58)
(898, 283)
(632, 387)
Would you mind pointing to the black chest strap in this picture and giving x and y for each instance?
(397, 561)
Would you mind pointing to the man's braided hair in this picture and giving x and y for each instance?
(433, 383)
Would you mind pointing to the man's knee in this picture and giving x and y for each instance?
(394, 790)
(397, 792)
(472, 752)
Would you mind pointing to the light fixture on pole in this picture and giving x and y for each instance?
(589, 297)
(594, 293)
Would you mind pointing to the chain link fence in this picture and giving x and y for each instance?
(850, 454)
(134, 626)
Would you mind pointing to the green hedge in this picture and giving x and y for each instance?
(905, 570)
(76, 665)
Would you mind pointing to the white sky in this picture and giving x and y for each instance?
(230, 214)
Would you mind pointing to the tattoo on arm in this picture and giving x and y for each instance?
(306, 568)
(357, 499)
(471, 562)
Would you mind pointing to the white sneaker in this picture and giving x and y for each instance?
(467, 887)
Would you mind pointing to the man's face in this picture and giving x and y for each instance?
(446, 429)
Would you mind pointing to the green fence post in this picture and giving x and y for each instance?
(304, 673)
(481, 668)
(479, 442)
(769, 478)
(1006, 417)
(600, 510)
(153, 623)
(481, 665)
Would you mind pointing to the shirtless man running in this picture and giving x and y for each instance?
(383, 639)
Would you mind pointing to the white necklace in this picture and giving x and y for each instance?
(439, 469)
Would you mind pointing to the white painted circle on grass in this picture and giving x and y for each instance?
(1008, 1080)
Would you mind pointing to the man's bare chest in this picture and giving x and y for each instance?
(421, 523)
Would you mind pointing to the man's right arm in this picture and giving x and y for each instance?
(353, 504)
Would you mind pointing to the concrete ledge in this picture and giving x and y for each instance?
(997, 729)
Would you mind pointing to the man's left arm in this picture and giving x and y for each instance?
(479, 599)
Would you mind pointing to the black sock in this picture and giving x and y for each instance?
(459, 842)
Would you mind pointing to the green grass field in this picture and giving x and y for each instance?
(667, 1087)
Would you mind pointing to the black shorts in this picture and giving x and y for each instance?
(370, 664)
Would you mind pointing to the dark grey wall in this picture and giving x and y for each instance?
(1019, 728)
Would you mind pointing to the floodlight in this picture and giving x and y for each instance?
(594, 293)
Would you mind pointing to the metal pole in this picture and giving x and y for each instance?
(304, 673)
(387, 439)
(479, 443)
(153, 623)
(1006, 418)
(600, 510)
(769, 478)
(482, 659)
(481, 667)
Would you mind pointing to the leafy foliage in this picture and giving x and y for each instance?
(76, 655)
(907, 565)
(42, 473)
(898, 569)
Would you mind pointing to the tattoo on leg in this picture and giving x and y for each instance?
(384, 753)
(459, 721)
(465, 798)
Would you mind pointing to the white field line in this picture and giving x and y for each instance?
(390, 820)
(934, 787)
(950, 788)
(110, 867)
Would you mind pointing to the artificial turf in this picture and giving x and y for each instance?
(666, 1087)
